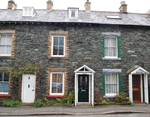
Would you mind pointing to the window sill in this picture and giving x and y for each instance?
(55, 96)
(5, 95)
(109, 96)
(111, 58)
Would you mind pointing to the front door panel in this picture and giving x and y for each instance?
(136, 89)
(28, 88)
(83, 88)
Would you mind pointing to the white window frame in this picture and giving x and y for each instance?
(27, 8)
(112, 94)
(76, 13)
(11, 44)
(112, 57)
(53, 45)
(51, 83)
(3, 81)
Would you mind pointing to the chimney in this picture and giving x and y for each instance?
(11, 4)
(49, 4)
(123, 7)
(88, 5)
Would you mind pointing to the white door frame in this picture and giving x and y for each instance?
(139, 71)
(22, 91)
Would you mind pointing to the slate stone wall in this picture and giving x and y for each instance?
(85, 48)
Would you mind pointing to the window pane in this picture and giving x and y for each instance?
(61, 40)
(9, 39)
(8, 49)
(2, 49)
(3, 40)
(54, 83)
(113, 42)
(6, 77)
(1, 75)
(111, 83)
(6, 87)
(55, 41)
(55, 50)
(61, 51)
(25, 11)
(108, 42)
(29, 11)
(72, 13)
(1, 86)
(57, 83)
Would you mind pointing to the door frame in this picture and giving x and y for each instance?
(139, 71)
(85, 70)
(22, 89)
(78, 86)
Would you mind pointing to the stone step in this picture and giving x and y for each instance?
(83, 104)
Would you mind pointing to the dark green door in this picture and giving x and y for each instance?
(83, 88)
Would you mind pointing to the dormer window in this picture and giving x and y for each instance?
(73, 13)
(28, 11)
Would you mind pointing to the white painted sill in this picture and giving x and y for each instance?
(110, 95)
(3, 55)
(111, 58)
(58, 56)
(4, 93)
(53, 94)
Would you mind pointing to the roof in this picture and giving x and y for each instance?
(98, 17)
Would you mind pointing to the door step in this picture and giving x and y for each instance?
(83, 104)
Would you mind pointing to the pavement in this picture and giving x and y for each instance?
(98, 110)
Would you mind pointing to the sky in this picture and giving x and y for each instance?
(134, 6)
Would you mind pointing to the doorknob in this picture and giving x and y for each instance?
(32, 89)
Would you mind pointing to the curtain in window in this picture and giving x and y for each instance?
(4, 82)
(111, 83)
(57, 83)
(5, 44)
(110, 46)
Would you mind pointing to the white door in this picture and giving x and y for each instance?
(28, 88)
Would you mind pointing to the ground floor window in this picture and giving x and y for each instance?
(57, 83)
(111, 84)
(4, 83)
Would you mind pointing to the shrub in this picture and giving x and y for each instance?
(11, 103)
(71, 97)
(37, 103)
(58, 100)
(122, 98)
(65, 100)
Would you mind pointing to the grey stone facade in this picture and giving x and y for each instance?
(84, 41)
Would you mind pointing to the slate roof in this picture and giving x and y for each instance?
(98, 17)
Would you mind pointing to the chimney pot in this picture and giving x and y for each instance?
(123, 7)
(87, 5)
(49, 4)
(11, 4)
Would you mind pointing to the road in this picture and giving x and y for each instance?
(109, 115)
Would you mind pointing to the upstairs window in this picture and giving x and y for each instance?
(58, 46)
(73, 13)
(28, 11)
(5, 44)
(111, 46)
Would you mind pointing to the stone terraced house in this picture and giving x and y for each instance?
(95, 53)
